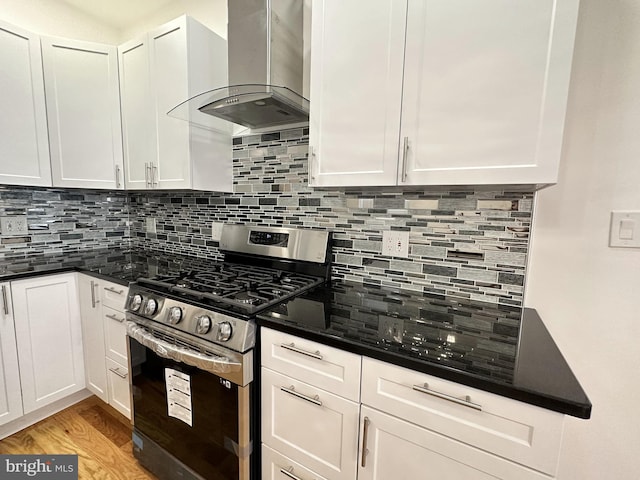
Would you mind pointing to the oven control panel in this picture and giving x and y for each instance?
(234, 333)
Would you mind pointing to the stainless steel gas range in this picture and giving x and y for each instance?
(191, 340)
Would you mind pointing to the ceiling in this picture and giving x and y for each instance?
(118, 14)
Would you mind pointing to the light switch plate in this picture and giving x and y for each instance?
(14, 225)
(624, 230)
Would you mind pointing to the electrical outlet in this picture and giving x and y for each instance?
(216, 230)
(390, 328)
(14, 225)
(150, 225)
(395, 243)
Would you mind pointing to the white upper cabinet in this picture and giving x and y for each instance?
(157, 72)
(24, 148)
(439, 92)
(83, 107)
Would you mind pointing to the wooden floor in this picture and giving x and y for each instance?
(92, 429)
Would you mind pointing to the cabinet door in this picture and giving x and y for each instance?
(93, 336)
(115, 333)
(276, 466)
(10, 396)
(356, 91)
(119, 388)
(83, 107)
(393, 448)
(311, 426)
(24, 147)
(49, 339)
(169, 87)
(485, 90)
(138, 112)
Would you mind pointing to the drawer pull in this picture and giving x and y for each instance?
(5, 302)
(365, 438)
(466, 402)
(117, 372)
(114, 317)
(291, 346)
(292, 391)
(289, 473)
(113, 290)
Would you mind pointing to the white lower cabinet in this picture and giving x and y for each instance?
(392, 448)
(310, 425)
(390, 422)
(49, 339)
(10, 396)
(105, 338)
(276, 466)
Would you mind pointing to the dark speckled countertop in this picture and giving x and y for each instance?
(504, 350)
(117, 265)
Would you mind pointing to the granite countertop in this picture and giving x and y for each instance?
(116, 265)
(500, 349)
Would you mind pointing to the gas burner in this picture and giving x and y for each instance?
(248, 298)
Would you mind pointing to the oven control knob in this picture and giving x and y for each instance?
(203, 324)
(175, 315)
(151, 307)
(136, 302)
(224, 331)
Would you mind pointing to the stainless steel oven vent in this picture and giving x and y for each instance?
(265, 55)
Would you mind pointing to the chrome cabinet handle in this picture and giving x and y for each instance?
(147, 181)
(466, 402)
(405, 151)
(117, 176)
(93, 294)
(117, 372)
(5, 301)
(292, 391)
(113, 290)
(154, 175)
(365, 440)
(289, 473)
(114, 317)
(291, 346)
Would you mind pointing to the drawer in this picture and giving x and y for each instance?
(517, 431)
(113, 295)
(325, 367)
(276, 466)
(396, 449)
(309, 425)
(115, 335)
(119, 389)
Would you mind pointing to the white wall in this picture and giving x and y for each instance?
(58, 19)
(587, 293)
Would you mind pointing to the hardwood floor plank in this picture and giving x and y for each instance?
(96, 434)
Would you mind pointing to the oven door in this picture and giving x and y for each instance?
(189, 422)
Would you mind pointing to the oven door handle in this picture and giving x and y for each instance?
(216, 364)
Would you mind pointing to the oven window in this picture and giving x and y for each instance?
(209, 446)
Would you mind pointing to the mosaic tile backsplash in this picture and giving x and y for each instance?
(464, 243)
(62, 220)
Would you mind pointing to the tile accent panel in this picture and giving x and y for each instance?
(63, 221)
(464, 243)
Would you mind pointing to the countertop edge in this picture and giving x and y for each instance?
(560, 405)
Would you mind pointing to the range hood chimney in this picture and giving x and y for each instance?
(265, 60)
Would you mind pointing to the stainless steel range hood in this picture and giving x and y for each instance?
(265, 51)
